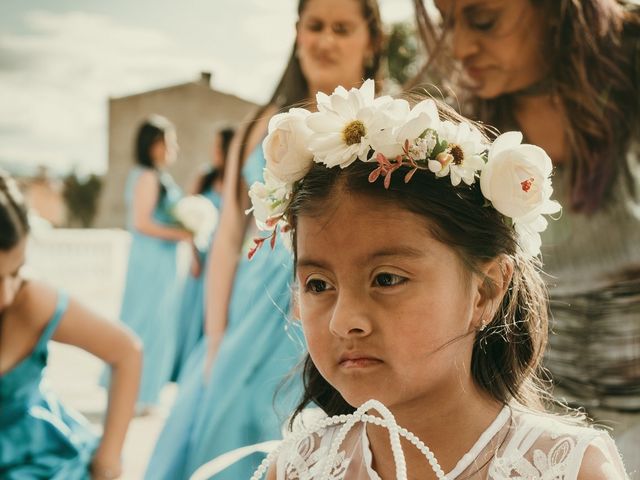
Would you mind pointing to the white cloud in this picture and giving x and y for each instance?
(56, 78)
(71, 63)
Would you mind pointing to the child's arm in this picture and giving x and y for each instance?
(145, 197)
(119, 348)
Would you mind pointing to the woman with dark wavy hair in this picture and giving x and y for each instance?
(567, 73)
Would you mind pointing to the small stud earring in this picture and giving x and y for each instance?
(482, 326)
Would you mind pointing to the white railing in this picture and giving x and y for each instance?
(90, 264)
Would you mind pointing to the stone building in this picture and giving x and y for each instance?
(195, 108)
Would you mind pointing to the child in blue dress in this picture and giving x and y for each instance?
(39, 437)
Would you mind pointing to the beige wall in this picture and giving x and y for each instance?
(196, 110)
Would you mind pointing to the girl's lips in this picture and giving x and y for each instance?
(359, 362)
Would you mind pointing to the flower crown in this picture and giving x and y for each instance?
(354, 125)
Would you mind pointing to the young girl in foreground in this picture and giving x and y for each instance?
(415, 242)
(40, 438)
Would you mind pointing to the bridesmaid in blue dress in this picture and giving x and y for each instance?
(153, 285)
(209, 185)
(250, 344)
(39, 437)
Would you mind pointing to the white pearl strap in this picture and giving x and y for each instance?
(387, 421)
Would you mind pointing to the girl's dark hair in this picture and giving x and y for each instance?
(14, 221)
(213, 173)
(591, 47)
(507, 354)
(152, 129)
(293, 88)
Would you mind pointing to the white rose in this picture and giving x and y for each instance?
(269, 200)
(285, 147)
(516, 178)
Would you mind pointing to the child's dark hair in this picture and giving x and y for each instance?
(213, 173)
(14, 220)
(507, 354)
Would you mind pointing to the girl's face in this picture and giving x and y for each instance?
(499, 42)
(379, 300)
(164, 151)
(333, 44)
(11, 261)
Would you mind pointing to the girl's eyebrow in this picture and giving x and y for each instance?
(311, 262)
(393, 251)
(397, 251)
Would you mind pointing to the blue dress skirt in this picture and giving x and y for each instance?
(237, 405)
(191, 313)
(40, 438)
(153, 290)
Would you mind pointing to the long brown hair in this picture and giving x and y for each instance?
(507, 354)
(293, 88)
(592, 53)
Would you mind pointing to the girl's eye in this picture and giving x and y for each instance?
(314, 26)
(316, 285)
(483, 27)
(482, 22)
(388, 280)
(340, 29)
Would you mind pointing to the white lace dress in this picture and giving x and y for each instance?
(517, 445)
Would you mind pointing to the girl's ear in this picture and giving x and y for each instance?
(495, 278)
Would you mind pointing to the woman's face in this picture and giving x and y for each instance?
(11, 261)
(164, 151)
(388, 311)
(500, 43)
(333, 44)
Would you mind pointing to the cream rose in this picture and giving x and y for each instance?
(516, 178)
(269, 200)
(285, 147)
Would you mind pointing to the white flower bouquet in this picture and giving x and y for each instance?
(198, 215)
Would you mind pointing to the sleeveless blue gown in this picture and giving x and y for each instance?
(234, 407)
(191, 314)
(40, 438)
(153, 290)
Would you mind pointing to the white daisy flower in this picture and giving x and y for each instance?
(463, 156)
(347, 123)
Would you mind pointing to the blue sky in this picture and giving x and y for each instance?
(60, 60)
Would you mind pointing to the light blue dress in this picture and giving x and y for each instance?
(192, 305)
(236, 407)
(39, 437)
(153, 291)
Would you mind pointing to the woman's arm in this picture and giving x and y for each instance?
(229, 237)
(145, 197)
(119, 348)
